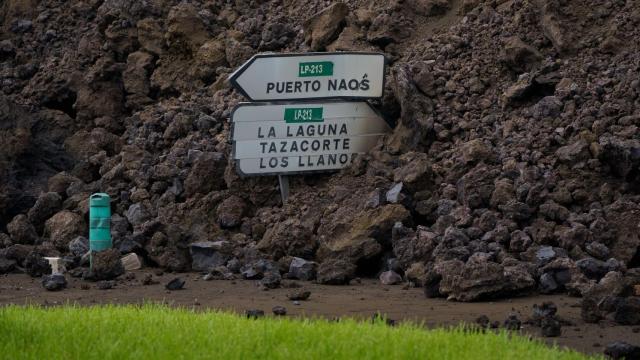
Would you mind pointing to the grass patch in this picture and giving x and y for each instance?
(158, 332)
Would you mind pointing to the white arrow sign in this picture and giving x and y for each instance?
(343, 75)
(290, 138)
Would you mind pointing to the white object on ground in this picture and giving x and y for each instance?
(57, 267)
(131, 262)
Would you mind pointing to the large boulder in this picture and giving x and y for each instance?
(289, 237)
(624, 217)
(185, 29)
(22, 231)
(480, 278)
(230, 211)
(207, 255)
(207, 174)
(46, 206)
(302, 269)
(519, 56)
(105, 265)
(336, 272)
(415, 246)
(63, 227)
(358, 236)
(324, 27)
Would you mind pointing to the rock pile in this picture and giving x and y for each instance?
(513, 166)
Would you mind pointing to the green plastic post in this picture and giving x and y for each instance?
(99, 222)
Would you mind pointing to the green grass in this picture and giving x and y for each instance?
(157, 332)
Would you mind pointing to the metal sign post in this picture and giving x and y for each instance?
(283, 180)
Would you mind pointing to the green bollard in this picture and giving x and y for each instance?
(99, 222)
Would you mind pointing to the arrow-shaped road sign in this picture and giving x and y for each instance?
(300, 137)
(342, 75)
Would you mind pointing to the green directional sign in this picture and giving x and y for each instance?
(318, 68)
(302, 115)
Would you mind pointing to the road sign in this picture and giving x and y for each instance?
(298, 137)
(342, 75)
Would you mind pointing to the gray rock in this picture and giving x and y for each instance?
(547, 284)
(390, 277)
(394, 195)
(137, 214)
(54, 282)
(79, 246)
(336, 272)
(545, 254)
(547, 107)
(303, 269)
(592, 268)
(175, 284)
(207, 255)
(271, 280)
(598, 250)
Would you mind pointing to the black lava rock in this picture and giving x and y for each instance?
(54, 282)
(622, 350)
(175, 284)
(254, 313)
(279, 310)
(550, 327)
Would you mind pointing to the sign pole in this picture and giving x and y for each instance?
(283, 180)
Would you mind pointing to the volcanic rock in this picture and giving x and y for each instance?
(512, 323)
(550, 327)
(271, 280)
(207, 255)
(302, 269)
(299, 295)
(105, 284)
(519, 56)
(175, 284)
(105, 265)
(6, 265)
(79, 246)
(322, 28)
(254, 314)
(22, 231)
(336, 272)
(279, 310)
(628, 311)
(45, 207)
(64, 227)
(54, 282)
(230, 212)
(36, 265)
(622, 350)
(390, 278)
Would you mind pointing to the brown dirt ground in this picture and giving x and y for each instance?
(360, 300)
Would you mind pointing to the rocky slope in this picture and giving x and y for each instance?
(513, 167)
